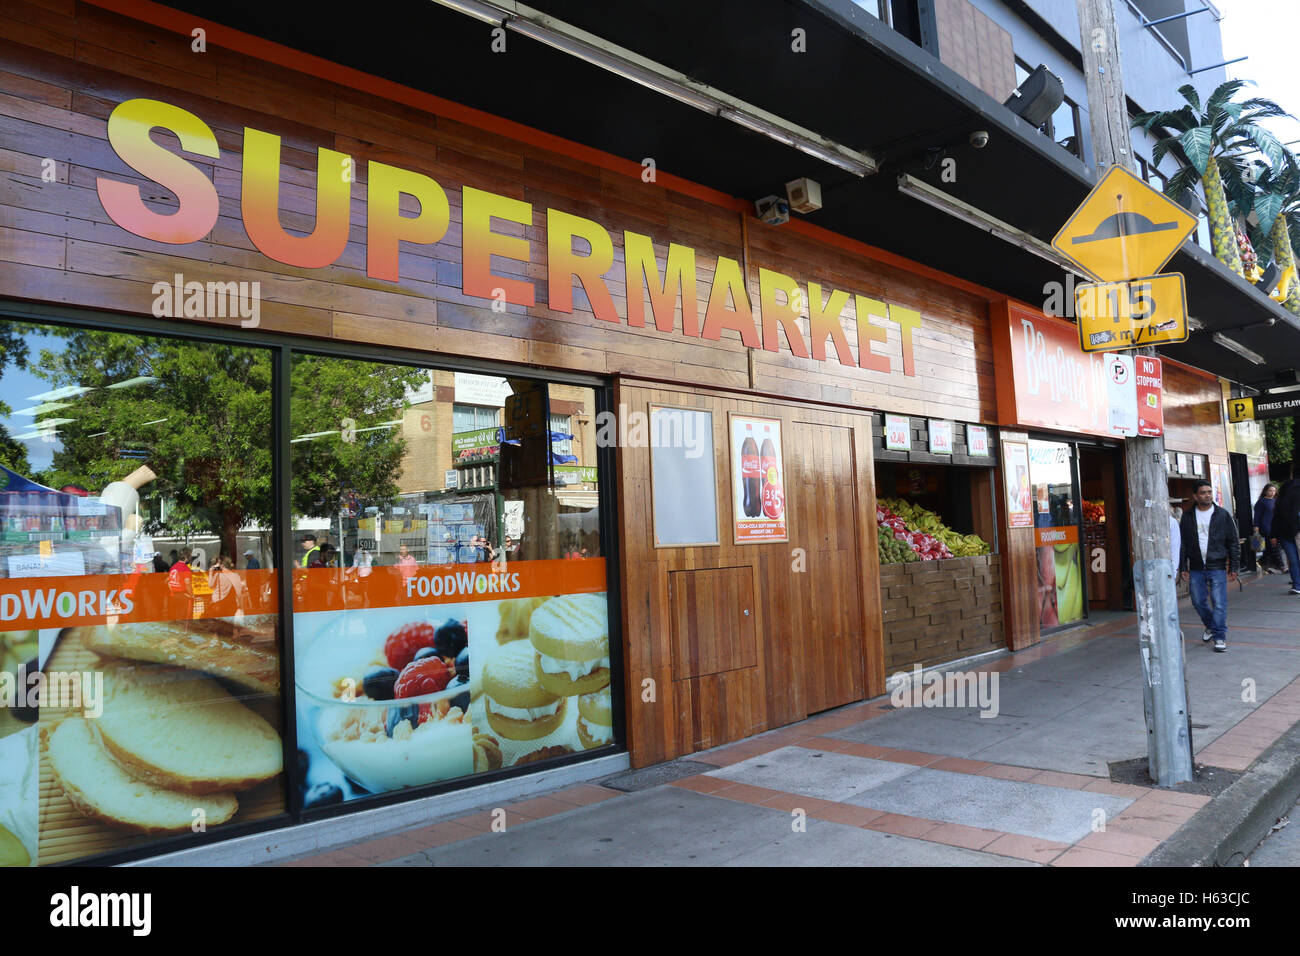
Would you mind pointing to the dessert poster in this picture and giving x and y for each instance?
(465, 681)
(1015, 460)
(757, 480)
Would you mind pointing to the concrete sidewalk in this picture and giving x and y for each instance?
(869, 784)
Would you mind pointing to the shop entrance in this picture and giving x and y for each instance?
(1105, 528)
(822, 490)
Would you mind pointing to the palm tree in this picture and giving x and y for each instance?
(1276, 207)
(1211, 142)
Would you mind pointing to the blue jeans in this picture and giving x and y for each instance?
(1211, 588)
(1293, 559)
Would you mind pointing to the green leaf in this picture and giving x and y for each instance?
(1223, 93)
(1267, 206)
(1190, 94)
(1196, 143)
(1268, 145)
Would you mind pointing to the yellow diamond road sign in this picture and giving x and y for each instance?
(1124, 229)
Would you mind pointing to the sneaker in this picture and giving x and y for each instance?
(1220, 644)
(1293, 591)
(1207, 636)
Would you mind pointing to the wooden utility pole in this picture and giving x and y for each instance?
(1169, 745)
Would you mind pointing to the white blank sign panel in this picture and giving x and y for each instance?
(681, 477)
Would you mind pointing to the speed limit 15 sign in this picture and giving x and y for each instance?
(1127, 315)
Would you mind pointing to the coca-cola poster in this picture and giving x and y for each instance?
(757, 479)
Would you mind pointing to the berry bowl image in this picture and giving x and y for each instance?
(389, 694)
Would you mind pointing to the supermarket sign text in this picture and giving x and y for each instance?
(783, 303)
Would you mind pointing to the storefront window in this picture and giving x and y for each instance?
(136, 591)
(1056, 533)
(442, 628)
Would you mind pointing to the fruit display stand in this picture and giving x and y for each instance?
(941, 591)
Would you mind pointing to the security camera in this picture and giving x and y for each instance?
(772, 210)
(980, 138)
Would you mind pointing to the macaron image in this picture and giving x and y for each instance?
(595, 719)
(571, 637)
(515, 615)
(517, 705)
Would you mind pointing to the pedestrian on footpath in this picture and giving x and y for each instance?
(1286, 524)
(1210, 559)
(1271, 562)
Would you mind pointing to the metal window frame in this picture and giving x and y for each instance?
(282, 347)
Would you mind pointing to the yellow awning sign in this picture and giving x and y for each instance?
(1123, 229)
(1241, 409)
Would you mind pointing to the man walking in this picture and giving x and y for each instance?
(1286, 524)
(1209, 560)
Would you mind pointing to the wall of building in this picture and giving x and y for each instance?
(917, 343)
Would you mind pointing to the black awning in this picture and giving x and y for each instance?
(858, 83)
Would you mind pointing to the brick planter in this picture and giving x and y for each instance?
(936, 611)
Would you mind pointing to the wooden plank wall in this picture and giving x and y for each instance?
(793, 610)
(1194, 413)
(65, 65)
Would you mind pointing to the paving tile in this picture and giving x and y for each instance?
(1143, 826)
(785, 801)
(536, 808)
(868, 750)
(1030, 809)
(1054, 778)
(343, 857)
(1026, 848)
(829, 776)
(902, 825)
(482, 821)
(849, 814)
(745, 793)
(1161, 810)
(584, 794)
(1117, 789)
(1081, 857)
(702, 783)
(1125, 844)
(440, 834)
(1196, 800)
(385, 848)
(960, 765)
(829, 744)
(1003, 772)
(914, 757)
(957, 834)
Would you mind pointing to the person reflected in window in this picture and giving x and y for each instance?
(180, 587)
(229, 595)
(309, 550)
(407, 566)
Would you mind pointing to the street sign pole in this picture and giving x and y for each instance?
(1169, 746)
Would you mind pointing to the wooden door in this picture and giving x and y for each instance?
(821, 493)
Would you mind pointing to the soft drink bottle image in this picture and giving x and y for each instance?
(751, 474)
(773, 497)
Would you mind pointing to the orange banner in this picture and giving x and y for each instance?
(27, 603)
(333, 589)
(1066, 534)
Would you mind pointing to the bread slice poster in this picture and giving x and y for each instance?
(474, 669)
(132, 730)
